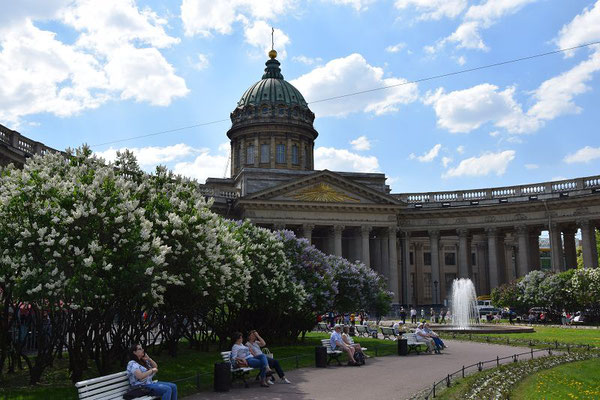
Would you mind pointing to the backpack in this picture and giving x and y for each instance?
(138, 391)
(359, 358)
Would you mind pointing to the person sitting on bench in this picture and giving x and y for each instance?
(140, 370)
(422, 336)
(240, 354)
(254, 343)
(439, 344)
(337, 341)
(346, 339)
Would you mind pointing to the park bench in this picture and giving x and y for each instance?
(362, 330)
(236, 373)
(108, 387)
(352, 343)
(388, 332)
(322, 327)
(413, 343)
(331, 354)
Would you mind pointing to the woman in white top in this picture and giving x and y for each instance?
(241, 356)
(140, 371)
(346, 339)
(254, 343)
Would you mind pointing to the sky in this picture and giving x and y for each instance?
(101, 72)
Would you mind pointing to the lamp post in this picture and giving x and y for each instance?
(435, 283)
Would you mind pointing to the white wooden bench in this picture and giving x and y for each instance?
(388, 332)
(413, 343)
(236, 373)
(108, 387)
(362, 330)
(331, 354)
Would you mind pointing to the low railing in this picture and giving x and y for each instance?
(535, 189)
(19, 142)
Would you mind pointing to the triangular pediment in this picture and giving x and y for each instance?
(323, 187)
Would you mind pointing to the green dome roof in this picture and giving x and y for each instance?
(272, 89)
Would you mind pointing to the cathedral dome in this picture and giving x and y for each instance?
(272, 89)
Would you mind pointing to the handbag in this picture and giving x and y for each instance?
(267, 352)
(136, 392)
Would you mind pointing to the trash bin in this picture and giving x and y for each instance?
(402, 347)
(352, 330)
(321, 357)
(374, 334)
(222, 377)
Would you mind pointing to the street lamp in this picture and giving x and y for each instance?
(435, 283)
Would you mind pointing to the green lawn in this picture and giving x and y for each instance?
(189, 366)
(550, 334)
(578, 380)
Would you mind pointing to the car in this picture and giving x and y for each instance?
(489, 310)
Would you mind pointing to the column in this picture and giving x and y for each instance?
(232, 158)
(393, 264)
(337, 240)
(493, 262)
(588, 238)
(384, 255)
(556, 248)
(482, 268)
(523, 255)
(307, 232)
(510, 267)
(434, 243)
(256, 152)
(418, 254)
(272, 153)
(406, 296)
(288, 153)
(570, 248)
(364, 231)
(534, 249)
(464, 253)
(242, 153)
(375, 253)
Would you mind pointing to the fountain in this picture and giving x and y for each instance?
(464, 312)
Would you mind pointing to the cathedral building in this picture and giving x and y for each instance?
(420, 242)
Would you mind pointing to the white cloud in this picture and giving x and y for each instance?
(429, 156)
(114, 54)
(258, 34)
(358, 5)
(152, 156)
(468, 109)
(531, 166)
(584, 28)
(494, 133)
(479, 17)
(434, 9)
(348, 75)
(460, 149)
(205, 17)
(483, 165)
(583, 155)
(395, 48)
(204, 166)
(361, 143)
(446, 161)
(307, 60)
(201, 62)
(343, 160)
(461, 60)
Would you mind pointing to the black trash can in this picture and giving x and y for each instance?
(374, 334)
(352, 330)
(402, 347)
(222, 377)
(321, 357)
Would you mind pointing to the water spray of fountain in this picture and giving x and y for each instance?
(464, 301)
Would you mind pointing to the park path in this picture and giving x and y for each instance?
(390, 377)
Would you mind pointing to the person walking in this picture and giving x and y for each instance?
(443, 316)
(413, 315)
(403, 315)
(422, 314)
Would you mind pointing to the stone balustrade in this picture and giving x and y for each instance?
(502, 194)
(20, 147)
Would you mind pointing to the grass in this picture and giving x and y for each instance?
(578, 380)
(459, 387)
(548, 335)
(191, 369)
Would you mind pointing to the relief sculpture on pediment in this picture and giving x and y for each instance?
(324, 193)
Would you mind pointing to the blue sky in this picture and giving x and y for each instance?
(74, 72)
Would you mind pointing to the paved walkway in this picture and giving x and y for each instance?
(390, 377)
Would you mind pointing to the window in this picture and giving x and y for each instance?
(450, 258)
(473, 259)
(427, 258)
(427, 285)
(250, 154)
(264, 153)
(294, 154)
(281, 153)
(411, 257)
(265, 110)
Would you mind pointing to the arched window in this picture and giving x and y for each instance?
(281, 153)
(250, 154)
(295, 160)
